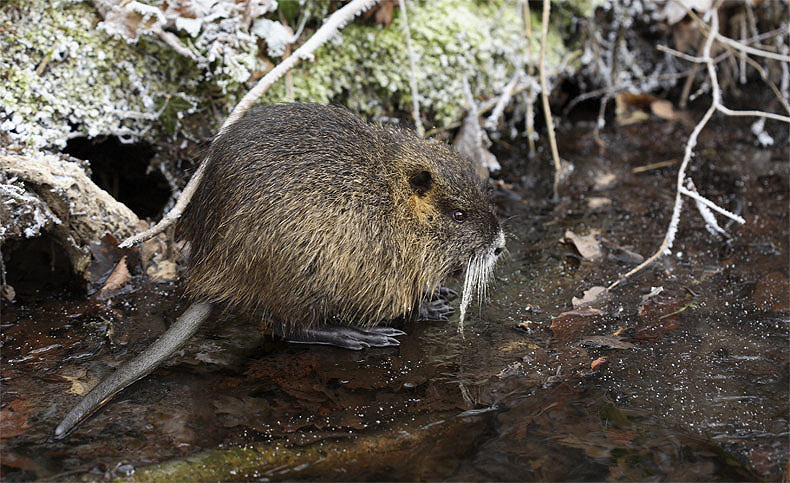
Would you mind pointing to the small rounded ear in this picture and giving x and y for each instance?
(421, 182)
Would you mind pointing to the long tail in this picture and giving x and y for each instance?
(139, 367)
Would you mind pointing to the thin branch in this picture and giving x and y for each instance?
(332, 25)
(529, 115)
(504, 100)
(555, 155)
(669, 237)
(768, 115)
(677, 53)
(698, 197)
(415, 94)
(751, 50)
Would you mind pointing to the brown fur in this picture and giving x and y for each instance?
(307, 214)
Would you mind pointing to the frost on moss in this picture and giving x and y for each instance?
(65, 78)
(366, 67)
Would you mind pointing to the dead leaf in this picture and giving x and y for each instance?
(664, 109)
(105, 256)
(513, 369)
(591, 295)
(773, 293)
(14, 460)
(472, 143)
(528, 326)
(14, 418)
(597, 362)
(79, 384)
(242, 411)
(607, 341)
(653, 292)
(383, 12)
(568, 326)
(119, 277)
(598, 202)
(164, 271)
(621, 254)
(632, 108)
(659, 314)
(604, 181)
(589, 246)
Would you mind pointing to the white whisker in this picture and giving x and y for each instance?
(479, 270)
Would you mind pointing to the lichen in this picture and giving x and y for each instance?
(366, 68)
(67, 76)
(22, 213)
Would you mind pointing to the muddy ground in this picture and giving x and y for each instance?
(690, 383)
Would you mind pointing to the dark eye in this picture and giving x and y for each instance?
(459, 216)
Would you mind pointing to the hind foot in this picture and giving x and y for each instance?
(346, 337)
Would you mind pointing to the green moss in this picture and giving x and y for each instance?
(368, 68)
(67, 78)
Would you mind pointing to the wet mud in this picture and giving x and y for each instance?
(682, 373)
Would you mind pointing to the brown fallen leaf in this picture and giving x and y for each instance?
(14, 460)
(79, 384)
(658, 315)
(512, 369)
(611, 341)
(591, 295)
(383, 12)
(621, 254)
(604, 181)
(598, 202)
(14, 418)
(632, 108)
(664, 109)
(164, 271)
(7, 292)
(119, 277)
(568, 326)
(597, 362)
(589, 246)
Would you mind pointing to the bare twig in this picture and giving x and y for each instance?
(716, 105)
(415, 94)
(544, 89)
(504, 100)
(721, 107)
(530, 114)
(172, 40)
(751, 50)
(669, 237)
(698, 197)
(331, 26)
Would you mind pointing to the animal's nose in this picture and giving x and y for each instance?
(500, 243)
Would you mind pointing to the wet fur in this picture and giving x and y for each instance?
(308, 215)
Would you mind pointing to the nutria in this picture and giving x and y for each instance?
(327, 226)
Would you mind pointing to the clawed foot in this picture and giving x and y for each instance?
(346, 337)
(437, 307)
(446, 293)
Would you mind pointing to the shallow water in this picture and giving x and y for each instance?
(697, 387)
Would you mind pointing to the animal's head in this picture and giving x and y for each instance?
(450, 206)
